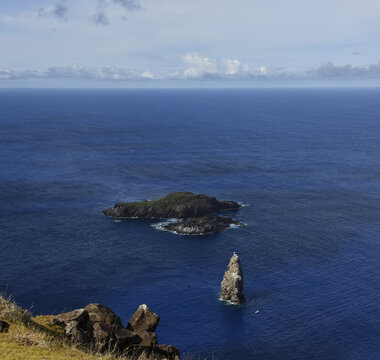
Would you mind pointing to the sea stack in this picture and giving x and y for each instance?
(232, 284)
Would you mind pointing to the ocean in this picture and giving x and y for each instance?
(304, 162)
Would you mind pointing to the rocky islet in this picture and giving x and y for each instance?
(196, 212)
(205, 225)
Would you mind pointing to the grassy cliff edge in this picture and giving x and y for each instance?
(35, 338)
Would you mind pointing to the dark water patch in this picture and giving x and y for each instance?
(306, 162)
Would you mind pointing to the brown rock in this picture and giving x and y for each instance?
(148, 338)
(158, 352)
(125, 338)
(100, 313)
(102, 334)
(143, 319)
(97, 327)
(166, 352)
(4, 326)
(76, 326)
(79, 315)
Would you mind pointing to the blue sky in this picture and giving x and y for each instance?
(151, 43)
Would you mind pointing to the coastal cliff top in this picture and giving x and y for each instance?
(23, 336)
(34, 338)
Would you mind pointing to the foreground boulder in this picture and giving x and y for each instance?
(144, 322)
(201, 226)
(108, 331)
(174, 205)
(158, 352)
(4, 326)
(76, 327)
(232, 284)
(97, 327)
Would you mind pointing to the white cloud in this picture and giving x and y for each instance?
(10, 74)
(7, 74)
(263, 70)
(96, 73)
(331, 70)
(206, 68)
(199, 68)
(40, 33)
(147, 75)
(232, 66)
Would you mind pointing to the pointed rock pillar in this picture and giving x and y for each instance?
(232, 284)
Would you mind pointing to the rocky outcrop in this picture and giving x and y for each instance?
(76, 327)
(232, 284)
(178, 205)
(201, 226)
(4, 326)
(97, 327)
(143, 319)
(144, 322)
(159, 352)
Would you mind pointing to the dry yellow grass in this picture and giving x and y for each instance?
(29, 345)
(35, 338)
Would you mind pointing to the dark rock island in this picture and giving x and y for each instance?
(201, 226)
(177, 205)
(196, 211)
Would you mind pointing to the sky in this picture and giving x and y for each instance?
(187, 43)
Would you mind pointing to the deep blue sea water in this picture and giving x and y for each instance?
(306, 163)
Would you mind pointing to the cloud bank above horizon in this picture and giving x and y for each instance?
(165, 40)
(198, 68)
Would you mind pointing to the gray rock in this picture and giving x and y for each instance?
(232, 284)
(4, 326)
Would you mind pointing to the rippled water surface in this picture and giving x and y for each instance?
(306, 163)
